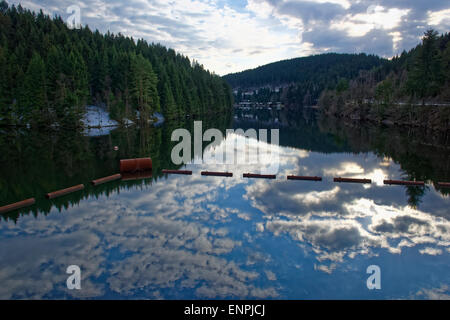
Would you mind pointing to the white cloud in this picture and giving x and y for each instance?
(378, 17)
(229, 38)
(440, 293)
(438, 17)
(431, 251)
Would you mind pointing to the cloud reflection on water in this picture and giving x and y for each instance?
(186, 236)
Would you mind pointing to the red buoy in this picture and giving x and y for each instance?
(106, 179)
(132, 165)
(177, 171)
(262, 176)
(404, 182)
(352, 180)
(63, 192)
(127, 176)
(17, 205)
(304, 178)
(219, 174)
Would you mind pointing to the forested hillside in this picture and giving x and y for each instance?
(48, 73)
(413, 88)
(303, 79)
(418, 76)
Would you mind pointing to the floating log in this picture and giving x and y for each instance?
(444, 184)
(404, 182)
(262, 176)
(352, 180)
(17, 205)
(177, 171)
(308, 178)
(63, 192)
(127, 176)
(106, 179)
(133, 165)
(219, 174)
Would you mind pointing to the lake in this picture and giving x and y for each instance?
(197, 237)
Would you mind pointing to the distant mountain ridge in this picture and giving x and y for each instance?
(305, 76)
(304, 68)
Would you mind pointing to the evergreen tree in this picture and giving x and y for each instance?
(421, 73)
(49, 72)
(446, 63)
(426, 77)
(54, 69)
(168, 101)
(144, 92)
(5, 98)
(34, 93)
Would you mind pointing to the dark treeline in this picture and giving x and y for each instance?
(417, 77)
(48, 73)
(301, 80)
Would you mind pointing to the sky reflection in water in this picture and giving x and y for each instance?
(186, 237)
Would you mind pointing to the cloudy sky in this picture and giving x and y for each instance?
(229, 36)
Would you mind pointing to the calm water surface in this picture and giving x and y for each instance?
(194, 237)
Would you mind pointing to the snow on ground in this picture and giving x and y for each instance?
(97, 122)
(97, 117)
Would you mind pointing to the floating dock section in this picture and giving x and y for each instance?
(261, 176)
(17, 205)
(63, 192)
(352, 180)
(218, 174)
(404, 182)
(306, 178)
(177, 171)
(106, 179)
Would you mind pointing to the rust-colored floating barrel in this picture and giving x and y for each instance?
(106, 179)
(262, 176)
(17, 205)
(307, 178)
(63, 192)
(133, 165)
(218, 174)
(177, 171)
(444, 184)
(352, 180)
(404, 182)
(127, 176)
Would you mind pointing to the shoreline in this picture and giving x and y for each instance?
(428, 116)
